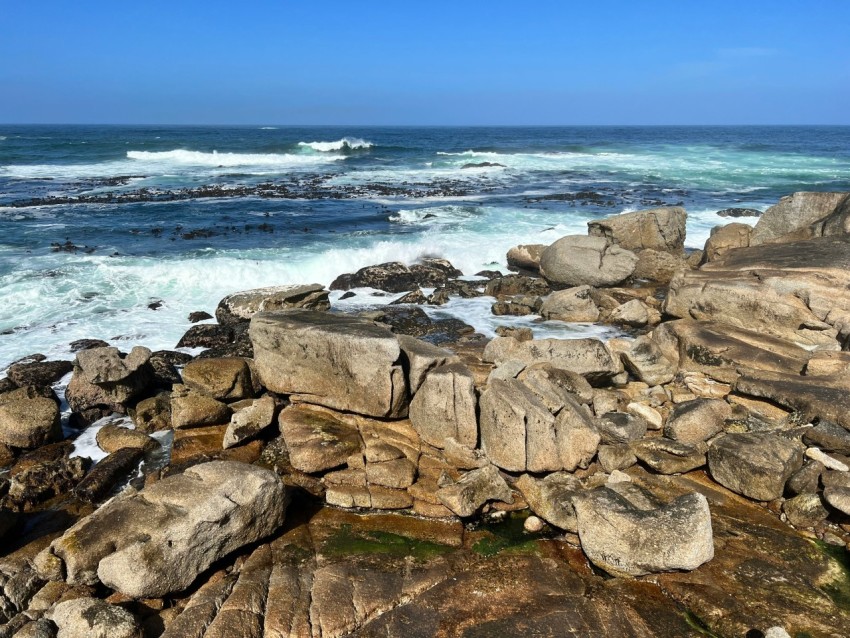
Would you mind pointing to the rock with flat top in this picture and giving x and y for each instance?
(572, 304)
(626, 538)
(655, 228)
(445, 406)
(241, 306)
(337, 361)
(317, 439)
(421, 358)
(29, 423)
(697, 420)
(587, 357)
(151, 543)
(225, 379)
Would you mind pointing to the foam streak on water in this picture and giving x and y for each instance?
(364, 196)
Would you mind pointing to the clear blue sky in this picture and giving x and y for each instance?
(425, 62)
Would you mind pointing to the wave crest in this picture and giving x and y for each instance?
(199, 158)
(345, 144)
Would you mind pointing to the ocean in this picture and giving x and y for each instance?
(118, 232)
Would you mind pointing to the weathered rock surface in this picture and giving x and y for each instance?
(445, 406)
(635, 313)
(525, 257)
(422, 357)
(645, 360)
(625, 537)
(725, 238)
(697, 420)
(157, 541)
(228, 379)
(474, 489)
(587, 357)
(103, 476)
(241, 306)
(93, 618)
(551, 498)
(337, 361)
(659, 266)
(796, 291)
(29, 423)
(395, 277)
(794, 212)
(112, 437)
(656, 229)
(317, 439)
(248, 422)
(38, 373)
(755, 464)
(577, 260)
(192, 409)
(572, 304)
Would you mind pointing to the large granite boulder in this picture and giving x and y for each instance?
(577, 260)
(338, 361)
(29, 423)
(798, 291)
(793, 213)
(444, 407)
(525, 257)
(587, 357)
(656, 229)
(105, 380)
(726, 238)
(572, 304)
(38, 373)
(241, 306)
(227, 379)
(155, 542)
(755, 464)
(631, 537)
(317, 440)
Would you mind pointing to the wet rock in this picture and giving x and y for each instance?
(656, 229)
(153, 414)
(647, 362)
(44, 473)
(414, 322)
(805, 510)
(157, 541)
(206, 335)
(577, 260)
(474, 489)
(248, 422)
(755, 464)
(241, 306)
(413, 297)
(87, 344)
(199, 315)
(697, 420)
(587, 357)
(725, 238)
(316, 439)
(222, 379)
(572, 304)
(621, 427)
(794, 212)
(422, 357)
(112, 437)
(103, 476)
(514, 285)
(519, 306)
(525, 257)
(445, 406)
(39, 373)
(164, 364)
(29, 423)
(93, 618)
(627, 539)
(192, 409)
(395, 277)
(739, 212)
(337, 361)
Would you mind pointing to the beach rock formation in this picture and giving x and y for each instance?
(578, 260)
(660, 229)
(243, 305)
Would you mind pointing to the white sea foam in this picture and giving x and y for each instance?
(268, 128)
(198, 158)
(346, 143)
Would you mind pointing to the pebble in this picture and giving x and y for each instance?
(817, 454)
(533, 525)
(776, 632)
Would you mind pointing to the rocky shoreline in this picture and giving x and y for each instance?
(316, 473)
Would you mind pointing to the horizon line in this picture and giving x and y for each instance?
(373, 125)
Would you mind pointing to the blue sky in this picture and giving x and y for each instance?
(418, 62)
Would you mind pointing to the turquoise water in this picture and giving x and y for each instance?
(185, 215)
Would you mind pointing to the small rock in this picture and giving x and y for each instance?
(29, 423)
(112, 437)
(621, 427)
(697, 420)
(533, 525)
(827, 461)
(653, 418)
(473, 490)
(805, 510)
(200, 315)
(93, 618)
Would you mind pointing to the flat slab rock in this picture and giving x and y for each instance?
(157, 541)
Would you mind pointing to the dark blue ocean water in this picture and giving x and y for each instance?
(97, 222)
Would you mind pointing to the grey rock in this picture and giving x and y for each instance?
(666, 456)
(29, 423)
(475, 488)
(551, 498)
(157, 541)
(626, 539)
(726, 238)
(577, 260)
(697, 420)
(646, 361)
(635, 313)
(525, 257)
(829, 436)
(249, 421)
(621, 427)
(755, 464)
(794, 212)
(445, 406)
(838, 497)
(192, 409)
(225, 379)
(555, 386)
(421, 358)
(572, 304)
(93, 618)
(337, 361)
(616, 457)
(316, 439)
(241, 306)
(804, 510)
(806, 480)
(656, 229)
(587, 357)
